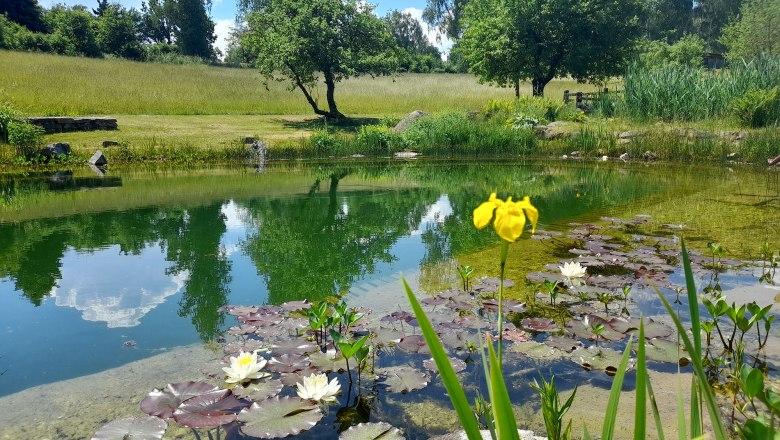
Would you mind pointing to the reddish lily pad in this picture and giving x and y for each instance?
(414, 344)
(162, 403)
(328, 361)
(372, 431)
(148, 428)
(403, 379)
(279, 417)
(209, 410)
(293, 346)
(540, 325)
(292, 379)
(248, 346)
(653, 329)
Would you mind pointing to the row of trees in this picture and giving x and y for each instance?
(161, 27)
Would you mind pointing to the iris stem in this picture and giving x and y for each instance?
(504, 252)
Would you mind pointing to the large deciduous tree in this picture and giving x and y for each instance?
(755, 32)
(297, 41)
(27, 13)
(711, 16)
(506, 41)
(415, 52)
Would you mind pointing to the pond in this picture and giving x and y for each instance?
(113, 284)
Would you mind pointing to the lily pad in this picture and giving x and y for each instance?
(257, 390)
(662, 350)
(456, 364)
(248, 346)
(597, 358)
(279, 417)
(386, 336)
(514, 334)
(209, 410)
(540, 325)
(653, 329)
(287, 363)
(536, 350)
(509, 305)
(292, 379)
(563, 343)
(162, 403)
(146, 428)
(293, 346)
(372, 431)
(261, 319)
(403, 379)
(414, 344)
(328, 361)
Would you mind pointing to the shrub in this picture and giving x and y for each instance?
(758, 108)
(378, 140)
(323, 141)
(25, 137)
(8, 115)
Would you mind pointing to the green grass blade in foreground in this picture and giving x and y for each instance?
(503, 415)
(696, 420)
(640, 412)
(614, 394)
(718, 429)
(654, 406)
(693, 300)
(681, 430)
(454, 389)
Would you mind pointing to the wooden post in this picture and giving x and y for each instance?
(579, 100)
(565, 96)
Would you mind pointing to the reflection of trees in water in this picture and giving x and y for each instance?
(31, 252)
(319, 245)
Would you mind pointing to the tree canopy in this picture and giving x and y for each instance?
(415, 52)
(756, 31)
(297, 41)
(507, 41)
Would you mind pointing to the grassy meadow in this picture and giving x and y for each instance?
(43, 84)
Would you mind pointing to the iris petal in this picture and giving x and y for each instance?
(484, 212)
(510, 221)
(530, 211)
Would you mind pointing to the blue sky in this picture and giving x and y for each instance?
(223, 12)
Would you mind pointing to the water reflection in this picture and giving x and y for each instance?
(154, 259)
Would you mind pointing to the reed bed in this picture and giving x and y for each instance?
(679, 93)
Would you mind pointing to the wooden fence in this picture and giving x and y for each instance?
(584, 100)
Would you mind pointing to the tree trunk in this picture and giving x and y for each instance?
(517, 88)
(537, 84)
(333, 111)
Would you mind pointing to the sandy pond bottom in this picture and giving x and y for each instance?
(77, 408)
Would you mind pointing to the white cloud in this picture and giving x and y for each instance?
(223, 28)
(443, 43)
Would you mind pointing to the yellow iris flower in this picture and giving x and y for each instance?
(509, 216)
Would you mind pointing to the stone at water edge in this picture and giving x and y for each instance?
(107, 144)
(249, 140)
(98, 159)
(624, 156)
(54, 150)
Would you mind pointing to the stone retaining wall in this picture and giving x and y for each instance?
(59, 124)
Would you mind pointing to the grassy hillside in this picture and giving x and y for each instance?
(42, 84)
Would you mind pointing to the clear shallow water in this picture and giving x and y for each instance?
(95, 276)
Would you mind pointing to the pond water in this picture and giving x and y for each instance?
(100, 272)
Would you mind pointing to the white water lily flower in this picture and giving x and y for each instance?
(573, 270)
(586, 321)
(245, 367)
(316, 387)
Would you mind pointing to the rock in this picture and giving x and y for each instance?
(406, 154)
(604, 158)
(624, 156)
(58, 124)
(631, 134)
(404, 124)
(98, 159)
(258, 148)
(249, 140)
(732, 156)
(575, 153)
(649, 155)
(553, 130)
(107, 144)
(55, 150)
(357, 156)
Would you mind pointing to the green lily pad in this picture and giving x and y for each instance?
(403, 379)
(372, 431)
(597, 358)
(653, 328)
(536, 350)
(328, 361)
(456, 364)
(258, 390)
(148, 427)
(662, 350)
(279, 417)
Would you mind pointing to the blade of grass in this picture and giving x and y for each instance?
(656, 414)
(693, 300)
(681, 430)
(504, 416)
(640, 412)
(696, 421)
(454, 389)
(717, 424)
(614, 395)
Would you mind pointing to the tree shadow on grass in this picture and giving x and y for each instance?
(349, 125)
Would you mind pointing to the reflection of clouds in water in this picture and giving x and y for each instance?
(91, 284)
(436, 213)
(237, 221)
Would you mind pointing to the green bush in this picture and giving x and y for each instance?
(25, 137)
(8, 115)
(758, 108)
(378, 140)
